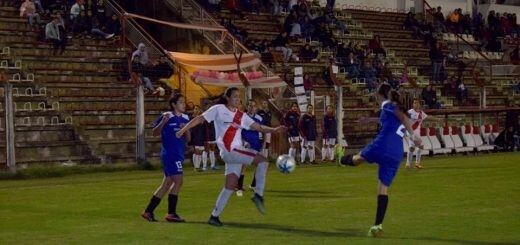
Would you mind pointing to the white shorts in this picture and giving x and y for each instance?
(268, 138)
(306, 143)
(200, 148)
(331, 141)
(211, 142)
(236, 158)
(294, 139)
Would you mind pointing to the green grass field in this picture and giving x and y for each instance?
(463, 199)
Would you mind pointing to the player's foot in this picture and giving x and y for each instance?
(174, 218)
(259, 203)
(240, 193)
(204, 169)
(214, 221)
(376, 231)
(418, 166)
(148, 216)
(338, 153)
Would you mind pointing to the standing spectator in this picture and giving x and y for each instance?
(439, 20)
(28, 10)
(352, 65)
(437, 59)
(307, 84)
(375, 45)
(426, 33)
(308, 134)
(52, 34)
(100, 11)
(76, 9)
(462, 93)
(280, 44)
(140, 62)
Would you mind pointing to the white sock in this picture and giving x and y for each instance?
(204, 159)
(196, 161)
(324, 153)
(292, 152)
(303, 154)
(265, 152)
(212, 158)
(409, 157)
(418, 156)
(312, 155)
(261, 171)
(331, 153)
(222, 201)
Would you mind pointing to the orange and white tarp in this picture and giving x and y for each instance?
(224, 62)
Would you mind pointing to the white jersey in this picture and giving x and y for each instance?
(228, 126)
(417, 118)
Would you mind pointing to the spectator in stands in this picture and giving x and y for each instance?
(58, 5)
(368, 73)
(450, 86)
(113, 25)
(76, 9)
(140, 63)
(96, 29)
(308, 84)
(343, 52)
(506, 139)
(214, 6)
(276, 8)
(281, 44)
(307, 27)
(100, 11)
(453, 20)
(438, 20)
(410, 23)
(375, 45)
(307, 54)
(426, 33)
(494, 44)
(462, 93)
(352, 65)
(515, 55)
(52, 34)
(386, 75)
(430, 97)
(437, 59)
(28, 10)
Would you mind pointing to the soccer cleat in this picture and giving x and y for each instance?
(174, 218)
(240, 193)
(418, 166)
(214, 221)
(204, 169)
(148, 216)
(338, 153)
(259, 203)
(376, 231)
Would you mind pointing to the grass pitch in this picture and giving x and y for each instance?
(460, 200)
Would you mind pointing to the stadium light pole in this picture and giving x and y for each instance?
(140, 134)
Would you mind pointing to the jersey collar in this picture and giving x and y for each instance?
(384, 103)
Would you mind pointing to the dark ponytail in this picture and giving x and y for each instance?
(223, 98)
(388, 93)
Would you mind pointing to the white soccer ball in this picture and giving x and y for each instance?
(285, 164)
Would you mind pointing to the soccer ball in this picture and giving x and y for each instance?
(285, 164)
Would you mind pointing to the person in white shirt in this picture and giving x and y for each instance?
(417, 116)
(229, 122)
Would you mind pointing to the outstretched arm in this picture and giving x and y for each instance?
(193, 123)
(265, 129)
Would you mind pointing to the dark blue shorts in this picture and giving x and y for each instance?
(172, 167)
(388, 166)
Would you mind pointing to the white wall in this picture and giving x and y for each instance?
(500, 8)
(385, 5)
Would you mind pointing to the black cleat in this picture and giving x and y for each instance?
(259, 203)
(214, 221)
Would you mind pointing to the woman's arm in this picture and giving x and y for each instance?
(406, 122)
(193, 123)
(265, 129)
(157, 129)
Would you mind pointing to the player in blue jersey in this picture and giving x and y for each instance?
(386, 150)
(252, 140)
(330, 133)
(308, 134)
(172, 157)
(198, 136)
(290, 120)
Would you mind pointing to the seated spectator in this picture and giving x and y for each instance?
(281, 44)
(76, 9)
(343, 52)
(351, 65)
(307, 54)
(52, 34)
(368, 73)
(113, 25)
(453, 20)
(140, 63)
(506, 139)
(462, 93)
(450, 86)
(426, 33)
(375, 45)
(430, 97)
(28, 10)
(214, 6)
(97, 30)
(386, 75)
(100, 11)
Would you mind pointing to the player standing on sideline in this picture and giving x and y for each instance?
(290, 120)
(173, 145)
(210, 146)
(198, 136)
(252, 139)
(308, 133)
(229, 122)
(330, 133)
(417, 115)
(386, 150)
(266, 115)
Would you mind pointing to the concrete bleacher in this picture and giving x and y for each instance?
(78, 108)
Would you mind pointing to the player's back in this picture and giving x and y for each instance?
(171, 146)
(389, 138)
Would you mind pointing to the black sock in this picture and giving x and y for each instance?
(172, 203)
(382, 202)
(241, 182)
(154, 201)
(253, 183)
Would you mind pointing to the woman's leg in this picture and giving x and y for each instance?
(156, 198)
(173, 197)
(223, 198)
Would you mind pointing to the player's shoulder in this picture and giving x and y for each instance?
(185, 116)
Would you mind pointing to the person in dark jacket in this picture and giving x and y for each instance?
(330, 133)
(308, 133)
(290, 120)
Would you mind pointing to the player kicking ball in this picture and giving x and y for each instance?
(172, 157)
(229, 122)
(386, 150)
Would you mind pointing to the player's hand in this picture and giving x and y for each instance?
(179, 134)
(280, 129)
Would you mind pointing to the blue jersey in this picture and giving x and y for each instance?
(172, 148)
(266, 117)
(252, 137)
(390, 137)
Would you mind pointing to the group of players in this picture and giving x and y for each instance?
(232, 129)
